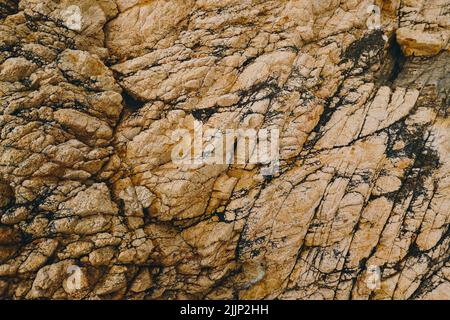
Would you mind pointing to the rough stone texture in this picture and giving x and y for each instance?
(86, 176)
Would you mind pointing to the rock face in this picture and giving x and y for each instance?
(94, 206)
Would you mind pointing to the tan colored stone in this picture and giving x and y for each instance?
(418, 43)
(94, 205)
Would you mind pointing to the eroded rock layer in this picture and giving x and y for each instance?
(92, 92)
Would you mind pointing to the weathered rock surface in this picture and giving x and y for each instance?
(92, 205)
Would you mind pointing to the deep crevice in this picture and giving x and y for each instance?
(393, 63)
(398, 58)
(130, 102)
